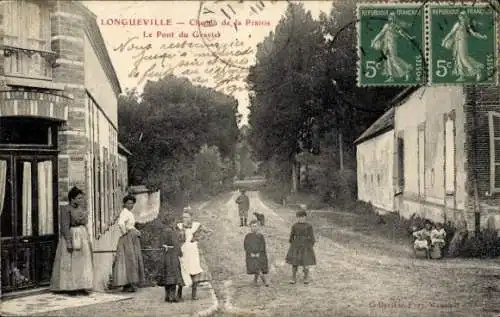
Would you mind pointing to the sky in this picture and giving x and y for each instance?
(170, 43)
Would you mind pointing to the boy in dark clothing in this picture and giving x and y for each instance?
(256, 255)
(243, 207)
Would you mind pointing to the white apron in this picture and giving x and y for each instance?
(190, 260)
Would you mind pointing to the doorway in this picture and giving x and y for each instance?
(29, 226)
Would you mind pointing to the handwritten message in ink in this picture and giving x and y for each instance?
(203, 49)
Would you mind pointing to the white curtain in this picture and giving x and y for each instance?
(27, 199)
(3, 180)
(45, 198)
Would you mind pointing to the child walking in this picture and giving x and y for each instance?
(256, 255)
(301, 252)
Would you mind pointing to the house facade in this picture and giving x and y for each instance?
(58, 129)
(446, 163)
(374, 157)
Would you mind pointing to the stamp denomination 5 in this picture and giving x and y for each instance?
(462, 44)
(390, 44)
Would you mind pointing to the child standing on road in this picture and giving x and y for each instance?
(301, 252)
(243, 206)
(256, 255)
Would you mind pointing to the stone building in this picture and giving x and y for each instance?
(58, 129)
(445, 164)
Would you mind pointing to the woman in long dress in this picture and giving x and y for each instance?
(128, 268)
(457, 41)
(386, 41)
(169, 274)
(73, 271)
(192, 232)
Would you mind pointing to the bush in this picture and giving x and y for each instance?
(150, 243)
(485, 245)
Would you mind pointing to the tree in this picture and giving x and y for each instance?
(166, 126)
(277, 111)
(294, 104)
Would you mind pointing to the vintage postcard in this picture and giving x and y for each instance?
(249, 158)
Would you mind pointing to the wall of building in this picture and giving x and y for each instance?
(98, 84)
(424, 191)
(374, 169)
(91, 130)
(478, 150)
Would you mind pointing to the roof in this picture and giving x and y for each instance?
(122, 148)
(383, 124)
(386, 121)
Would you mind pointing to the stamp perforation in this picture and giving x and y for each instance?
(380, 5)
(461, 4)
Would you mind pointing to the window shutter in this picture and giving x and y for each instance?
(401, 156)
(449, 134)
(421, 161)
(494, 131)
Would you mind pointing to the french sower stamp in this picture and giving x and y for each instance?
(462, 44)
(390, 44)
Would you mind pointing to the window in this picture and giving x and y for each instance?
(421, 161)
(27, 38)
(494, 132)
(26, 131)
(400, 159)
(449, 158)
(105, 185)
(102, 192)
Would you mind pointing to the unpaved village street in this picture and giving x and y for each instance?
(356, 275)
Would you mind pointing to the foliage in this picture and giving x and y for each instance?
(247, 167)
(293, 86)
(167, 126)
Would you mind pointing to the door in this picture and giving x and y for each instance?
(28, 221)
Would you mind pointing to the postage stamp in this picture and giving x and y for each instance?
(391, 41)
(462, 44)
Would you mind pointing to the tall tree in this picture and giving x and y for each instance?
(304, 88)
(166, 126)
(281, 84)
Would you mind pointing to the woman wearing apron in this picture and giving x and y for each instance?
(190, 260)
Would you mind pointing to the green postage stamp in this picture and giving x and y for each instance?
(391, 44)
(462, 43)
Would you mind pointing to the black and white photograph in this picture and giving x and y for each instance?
(249, 158)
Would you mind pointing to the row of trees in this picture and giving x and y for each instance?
(183, 138)
(305, 100)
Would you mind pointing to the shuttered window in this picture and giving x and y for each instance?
(494, 131)
(449, 158)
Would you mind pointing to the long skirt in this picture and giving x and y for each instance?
(169, 272)
(128, 267)
(301, 255)
(73, 270)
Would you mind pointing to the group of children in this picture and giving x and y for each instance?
(431, 236)
(300, 252)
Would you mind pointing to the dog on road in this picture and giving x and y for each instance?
(260, 218)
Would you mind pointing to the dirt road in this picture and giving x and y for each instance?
(356, 275)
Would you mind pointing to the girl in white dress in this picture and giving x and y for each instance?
(191, 269)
